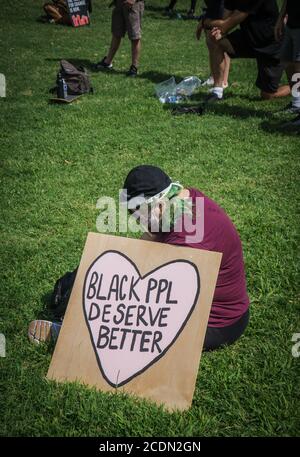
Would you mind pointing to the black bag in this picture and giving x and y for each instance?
(76, 78)
(61, 294)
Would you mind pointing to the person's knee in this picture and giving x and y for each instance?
(117, 36)
(211, 43)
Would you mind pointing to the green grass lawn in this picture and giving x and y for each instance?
(56, 161)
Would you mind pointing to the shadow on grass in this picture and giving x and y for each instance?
(237, 111)
(46, 313)
(278, 128)
(158, 77)
(221, 109)
(156, 9)
(87, 64)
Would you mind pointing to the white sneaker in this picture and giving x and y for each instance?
(40, 331)
(210, 82)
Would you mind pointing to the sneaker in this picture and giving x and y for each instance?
(208, 82)
(168, 11)
(212, 98)
(190, 14)
(132, 72)
(40, 331)
(102, 65)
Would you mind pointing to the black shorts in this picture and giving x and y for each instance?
(215, 9)
(269, 68)
(216, 337)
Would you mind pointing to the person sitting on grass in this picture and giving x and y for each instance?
(164, 207)
(126, 17)
(253, 39)
(290, 53)
(56, 13)
(148, 193)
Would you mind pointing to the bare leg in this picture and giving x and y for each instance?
(135, 52)
(114, 46)
(226, 70)
(219, 59)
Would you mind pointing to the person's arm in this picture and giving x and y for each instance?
(208, 24)
(234, 19)
(278, 31)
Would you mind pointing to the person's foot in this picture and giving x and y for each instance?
(212, 98)
(208, 82)
(132, 72)
(198, 110)
(168, 11)
(103, 65)
(190, 14)
(44, 19)
(43, 331)
(282, 91)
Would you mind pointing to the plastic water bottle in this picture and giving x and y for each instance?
(188, 85)
(173, 99)
(170, 98)
(62, 88)
(65, 89)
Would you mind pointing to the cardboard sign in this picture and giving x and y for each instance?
(137, 318)
(78, 11)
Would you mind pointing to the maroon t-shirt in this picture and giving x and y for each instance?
(230, 300)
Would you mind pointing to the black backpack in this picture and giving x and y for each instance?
(61, 294)
(76, 78)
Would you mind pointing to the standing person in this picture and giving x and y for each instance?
(214, 10)
(253, 39)
(290, 51)
(126, 17)
(191, 12)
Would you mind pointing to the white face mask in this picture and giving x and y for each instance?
(148, 216)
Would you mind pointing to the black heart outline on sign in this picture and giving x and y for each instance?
(141, 278)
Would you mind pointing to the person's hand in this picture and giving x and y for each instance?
(199, 30)
(278, 31)
(216, 34)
